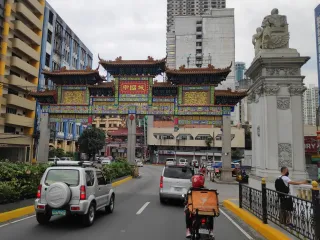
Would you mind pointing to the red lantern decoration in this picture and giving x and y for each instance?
(131, 117)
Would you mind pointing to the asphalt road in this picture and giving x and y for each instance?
(155, 222)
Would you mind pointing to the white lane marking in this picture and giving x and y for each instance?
(143, 208)
(22, 219)
(234, 223)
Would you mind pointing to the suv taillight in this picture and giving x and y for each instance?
(83, 194)
(39, 191)
(161, 182)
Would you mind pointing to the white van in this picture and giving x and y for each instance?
(183, 162)
(171, 161)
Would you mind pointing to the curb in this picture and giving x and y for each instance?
(265, 230)
(20, 212)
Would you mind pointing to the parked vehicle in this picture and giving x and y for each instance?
(73, 188)
(174, 181)
(52, 160)
(66, 159)
(171, 162)
(183, 162)
(105, 161)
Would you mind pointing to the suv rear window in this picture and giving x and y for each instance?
(68, 176)
(175, 172)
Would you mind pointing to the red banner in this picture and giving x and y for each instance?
(311, 144)
(134, 87)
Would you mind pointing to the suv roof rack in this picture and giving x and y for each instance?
(73, 163)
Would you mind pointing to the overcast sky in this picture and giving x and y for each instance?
(136, 29)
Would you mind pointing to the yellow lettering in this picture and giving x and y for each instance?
(133, 87)
(125, 87)
(141, 87)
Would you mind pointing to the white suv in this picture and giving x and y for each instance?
(73, 188)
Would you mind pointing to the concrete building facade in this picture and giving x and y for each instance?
(310, 105)
(189, 8)
(201, 40)
(317, 24)
(61, 48)
(22, 23)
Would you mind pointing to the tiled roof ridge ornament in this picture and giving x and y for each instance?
(63, 69)
(119, 59)
(211, 66)
(183, 67)
(150, 58)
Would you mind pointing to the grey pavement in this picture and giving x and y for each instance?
(156, 222)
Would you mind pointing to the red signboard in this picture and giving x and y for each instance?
(311, 144)
(134, 87)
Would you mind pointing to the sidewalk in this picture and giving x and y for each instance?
(12, 206)
(226, 191)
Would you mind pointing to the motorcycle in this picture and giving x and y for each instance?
(201, 227)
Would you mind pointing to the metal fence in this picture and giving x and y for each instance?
(298, 216)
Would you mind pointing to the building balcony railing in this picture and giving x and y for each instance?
(36, 6)
(25, 48)
(20, 102)
(24, 66)
(21, 9)
(3, 101)
(21, 83)
(18, 120)
(27, 32)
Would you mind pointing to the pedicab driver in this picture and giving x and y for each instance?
(197, 183)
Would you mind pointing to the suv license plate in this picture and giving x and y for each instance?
(203, 231)
(178, 189)
(56, 212)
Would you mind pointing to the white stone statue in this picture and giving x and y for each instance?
(275, 33)
(257, 40)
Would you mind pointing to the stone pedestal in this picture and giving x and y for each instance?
(277, 124)
(226, 175)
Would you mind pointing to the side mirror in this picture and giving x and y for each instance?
(183, 195)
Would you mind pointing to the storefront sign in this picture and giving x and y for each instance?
(311, 144)
(134, 87)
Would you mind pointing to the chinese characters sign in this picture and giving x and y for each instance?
(134, 87)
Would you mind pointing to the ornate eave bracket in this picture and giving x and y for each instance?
(251, 98)
(296, 90)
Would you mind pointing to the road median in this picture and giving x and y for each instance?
(20, 212)
(265, 230)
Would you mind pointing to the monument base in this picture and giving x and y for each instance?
(277, 53)
(272, 175)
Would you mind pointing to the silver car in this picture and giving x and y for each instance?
(174, 182)
(73, 188)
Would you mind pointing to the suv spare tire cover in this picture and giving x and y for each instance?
(58, 195)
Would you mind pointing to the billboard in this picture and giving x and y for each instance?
(311, 144)
(134, 87)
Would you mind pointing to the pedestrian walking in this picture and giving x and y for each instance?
(282, 185)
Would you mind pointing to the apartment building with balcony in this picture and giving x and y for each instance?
(190, 141)
(21, 23)
(61, 48)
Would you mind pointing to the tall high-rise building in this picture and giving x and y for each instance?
(239, 72)
(190, 8)
(310, 105)
(201, 40)
(21, 27)
(61, 48)
(317, 24)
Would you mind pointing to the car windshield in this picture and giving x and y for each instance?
(68, 176)
(175, 172)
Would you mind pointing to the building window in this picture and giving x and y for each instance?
(49, 36)
(8, 129)
(50, 17)
(11, 110)
(11, 91)
(47, 60)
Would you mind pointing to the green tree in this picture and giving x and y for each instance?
(91, 141)
(59, 152)
(209, 142)
(236, 154)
